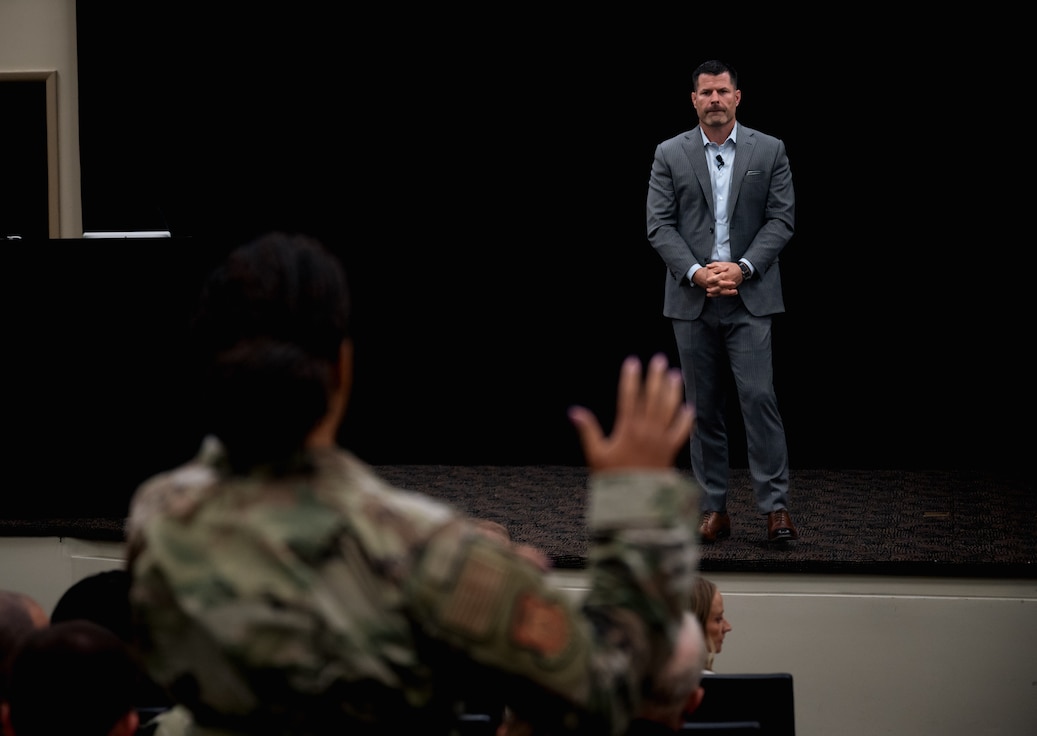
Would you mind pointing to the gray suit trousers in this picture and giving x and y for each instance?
(726, 337)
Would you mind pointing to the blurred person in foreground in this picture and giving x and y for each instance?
(678, 691)
(104, 598)
(72, 677)
(280, 586)
(675, 693)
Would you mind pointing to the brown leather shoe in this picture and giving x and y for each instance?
(714, 525)
(780, 527)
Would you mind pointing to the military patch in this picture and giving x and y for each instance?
(474, 600)
(540, 625)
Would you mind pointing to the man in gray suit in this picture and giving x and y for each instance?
(720, 208)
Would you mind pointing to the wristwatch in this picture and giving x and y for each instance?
(746, 271)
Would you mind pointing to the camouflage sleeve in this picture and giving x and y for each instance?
(170, 491)
(643, 544)
(584, 667)
(642, 562)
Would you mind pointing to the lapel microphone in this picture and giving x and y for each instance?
(720, 162)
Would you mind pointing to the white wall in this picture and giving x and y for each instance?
(40, 35)
(897, 656)
(45, 567)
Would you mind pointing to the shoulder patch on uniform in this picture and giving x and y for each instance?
(540, 625)
(473, 603)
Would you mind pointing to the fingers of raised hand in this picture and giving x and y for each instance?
(653, 420)
(664, 405)
(629, 385)
(663, 388)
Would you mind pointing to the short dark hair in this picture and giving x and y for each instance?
(103, 597)
(71, 677)
(713, 67)
(268, 332)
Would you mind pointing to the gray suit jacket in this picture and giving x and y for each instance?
(681, 220)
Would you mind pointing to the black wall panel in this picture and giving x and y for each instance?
(484, 182)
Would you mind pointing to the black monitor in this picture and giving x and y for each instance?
(739, 700)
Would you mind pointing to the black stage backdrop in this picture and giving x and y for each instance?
(483, 177)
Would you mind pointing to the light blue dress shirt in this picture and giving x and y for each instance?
(720, 159)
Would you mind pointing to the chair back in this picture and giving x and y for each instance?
(746, 698)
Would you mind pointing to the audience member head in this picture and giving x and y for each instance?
(19, 614)
(707, 604)
(272, 334)
(72, 677)
(104, 598)
(677, 690)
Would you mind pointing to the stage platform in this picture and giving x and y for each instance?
(869, 522)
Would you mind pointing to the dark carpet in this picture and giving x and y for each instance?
(875, 522)
(872, 522)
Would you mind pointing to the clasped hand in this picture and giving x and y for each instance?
(719, 278)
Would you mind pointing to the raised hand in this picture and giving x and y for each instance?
(653, 422)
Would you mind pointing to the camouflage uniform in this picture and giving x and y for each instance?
(326, 601)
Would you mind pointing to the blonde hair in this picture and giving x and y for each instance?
(702, 593)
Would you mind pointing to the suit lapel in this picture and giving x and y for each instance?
(743, 157)
(697, 158)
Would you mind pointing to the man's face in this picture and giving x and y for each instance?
(715, 100)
